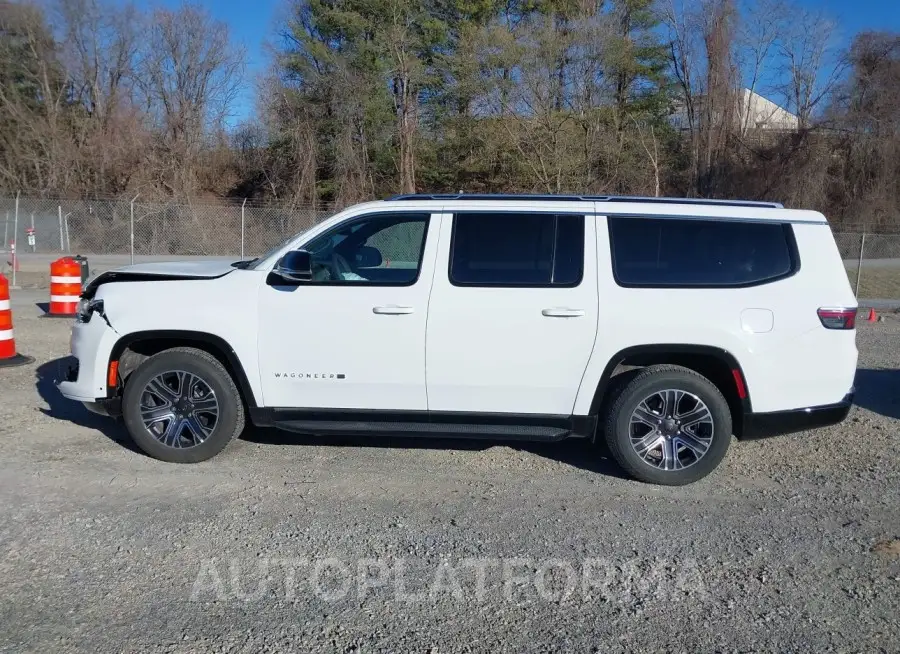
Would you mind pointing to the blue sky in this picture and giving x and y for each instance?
(252, 22)
(856, 15)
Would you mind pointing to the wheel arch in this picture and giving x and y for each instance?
(718, 365)
(151, 342)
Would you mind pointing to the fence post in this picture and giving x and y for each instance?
(862, 247)
(68, 240)
(243, 204)
(6, 231)
(15, 256)
(62, 245)
(132, 227)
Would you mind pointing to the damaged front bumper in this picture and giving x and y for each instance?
(91, 344)
(109, 407)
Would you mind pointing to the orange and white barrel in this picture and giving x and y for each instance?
(8, 355)
(65, 287)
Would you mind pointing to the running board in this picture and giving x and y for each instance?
(539, 433)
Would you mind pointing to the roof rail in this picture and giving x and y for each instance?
(590, 198)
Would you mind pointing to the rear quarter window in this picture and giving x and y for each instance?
(696, 253)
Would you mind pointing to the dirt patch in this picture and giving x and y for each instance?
(889, 548)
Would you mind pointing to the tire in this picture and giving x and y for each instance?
(625, 436)
(204, 433)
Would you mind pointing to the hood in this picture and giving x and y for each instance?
(160, 271)
(202, 268)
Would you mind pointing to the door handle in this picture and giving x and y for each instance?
(562, 313)
(392, 311)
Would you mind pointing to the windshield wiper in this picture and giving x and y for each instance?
(245, 263)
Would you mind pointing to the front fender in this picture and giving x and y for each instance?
(212, 343)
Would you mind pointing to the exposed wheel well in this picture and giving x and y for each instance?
(131, 350)
(716, 365)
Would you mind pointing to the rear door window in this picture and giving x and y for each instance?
(517, 249)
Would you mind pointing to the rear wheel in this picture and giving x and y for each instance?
(668, 425)
(182, 406)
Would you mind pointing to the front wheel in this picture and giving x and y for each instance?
(182, 406)
(668, 425)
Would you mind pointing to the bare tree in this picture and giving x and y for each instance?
(866, 113)
(99, 44)
(535, 128)
(33, 102)
(316, 111)
(719, 105)
(277, 156)
(809, 63)
(702, 54)
(406, 76)
(102, 97)
(684, 26)
(649, 141)
(190, 76)
(761, 30)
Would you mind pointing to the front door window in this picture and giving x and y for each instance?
(384, 249)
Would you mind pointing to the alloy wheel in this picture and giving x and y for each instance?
(179, 409)
(671, 429)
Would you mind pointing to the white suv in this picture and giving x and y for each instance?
(660, 326)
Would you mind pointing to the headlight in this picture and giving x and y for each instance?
(86, 309)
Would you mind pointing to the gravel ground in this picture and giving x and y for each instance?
(286, 543)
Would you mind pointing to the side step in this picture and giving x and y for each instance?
(539, 433)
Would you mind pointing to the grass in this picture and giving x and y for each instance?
(877, 283)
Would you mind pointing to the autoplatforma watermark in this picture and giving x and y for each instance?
(512, 579)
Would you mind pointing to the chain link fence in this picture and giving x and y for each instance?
(872, 261)
(123, 227)
(148, 228)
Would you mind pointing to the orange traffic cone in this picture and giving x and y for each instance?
(8, 355)
(872, 317)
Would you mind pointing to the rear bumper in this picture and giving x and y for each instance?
(763, 425)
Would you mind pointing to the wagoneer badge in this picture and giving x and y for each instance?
(309, 375)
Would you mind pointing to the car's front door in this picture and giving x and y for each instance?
(353, 336)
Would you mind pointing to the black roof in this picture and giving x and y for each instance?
(591, 198)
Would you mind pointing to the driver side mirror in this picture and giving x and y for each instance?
(294, 267)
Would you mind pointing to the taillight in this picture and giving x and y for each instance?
(838, 318)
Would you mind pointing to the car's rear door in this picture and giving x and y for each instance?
(513, 310)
